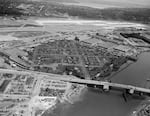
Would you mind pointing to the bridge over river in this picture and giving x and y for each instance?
(106, 86)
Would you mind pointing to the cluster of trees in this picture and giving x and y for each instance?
(8, 7)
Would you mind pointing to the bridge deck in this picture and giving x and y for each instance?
(75, 80)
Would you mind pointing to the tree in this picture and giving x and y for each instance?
(76, 39)
(8, 7)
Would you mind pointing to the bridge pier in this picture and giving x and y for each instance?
(106, 87)
(103, 87)
(124, 95)
(131, 91)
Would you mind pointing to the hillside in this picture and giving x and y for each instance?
(55, 9)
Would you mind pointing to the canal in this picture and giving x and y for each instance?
(97, 103)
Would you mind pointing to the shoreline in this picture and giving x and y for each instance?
(70, 97)
(141, 106)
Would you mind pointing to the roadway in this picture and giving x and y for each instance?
(72, 79)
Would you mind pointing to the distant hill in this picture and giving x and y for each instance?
(119, 3)
(58, 1)
(54, 9)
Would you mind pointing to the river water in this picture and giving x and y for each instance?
(95, 102)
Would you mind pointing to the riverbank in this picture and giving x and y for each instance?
(143, 109)
(73, 94)
(65, 103)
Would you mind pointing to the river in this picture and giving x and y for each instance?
(97, 103)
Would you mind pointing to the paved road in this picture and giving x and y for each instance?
(72, 79)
